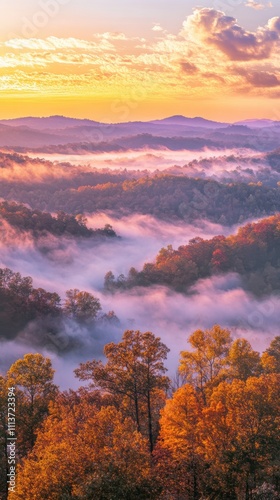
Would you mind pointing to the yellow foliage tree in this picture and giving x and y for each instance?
(33, 378)
(243, 361)
(204, 363)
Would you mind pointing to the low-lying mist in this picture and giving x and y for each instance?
(237, 165)
(63, 262)
(58, 264)
(148, 159)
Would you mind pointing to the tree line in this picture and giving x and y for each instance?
(253, 253)
(132, 433)
(38, 223)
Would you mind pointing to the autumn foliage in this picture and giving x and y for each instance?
(127, 435)
(253, 254)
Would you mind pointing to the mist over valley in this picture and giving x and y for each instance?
(98, 199)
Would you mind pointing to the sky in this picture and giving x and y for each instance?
(122, 61)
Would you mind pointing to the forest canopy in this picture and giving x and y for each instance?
(212, 432)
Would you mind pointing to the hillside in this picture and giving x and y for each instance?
(163, 196)
(253, 253)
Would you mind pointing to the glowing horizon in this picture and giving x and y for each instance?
(214, 65)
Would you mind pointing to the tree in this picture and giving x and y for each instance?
(33, 378)
(45, 302)
(82, 306)
(179, 464)
(109, 281)
(83, 452)
(274, 351)
(226, 448)
(134, 370)
(239, 433)
(204, 364)
(243, 361)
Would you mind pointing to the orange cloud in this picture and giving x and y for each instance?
(210, 59)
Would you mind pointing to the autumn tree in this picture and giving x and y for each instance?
(134, 372)
(33, 378)
(271, 357)
(84, 452)
(226, 448)
(179, 464)
(204, 363)
(82, 306)
(239, 433)
(242, 360)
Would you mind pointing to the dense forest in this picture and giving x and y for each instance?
(187, 195)
(163, 196)
(129, 432)
(253, 253)
(38, 222)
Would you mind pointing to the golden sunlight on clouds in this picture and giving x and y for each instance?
(213, 66)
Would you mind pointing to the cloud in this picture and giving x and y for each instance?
(257, 76)
(53, 43)
(258, 5)
(189, 68)
(234, 41)
(157, 27)
(263, 79)
(134, 69)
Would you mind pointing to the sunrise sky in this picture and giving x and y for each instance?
(126, 60)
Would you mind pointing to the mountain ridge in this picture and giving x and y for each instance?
(61, 120)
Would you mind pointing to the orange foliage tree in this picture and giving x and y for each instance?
(84, 452)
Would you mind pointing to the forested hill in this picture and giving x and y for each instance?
(163, 196)
(37, 222)
(40, 315)
(254, 253)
